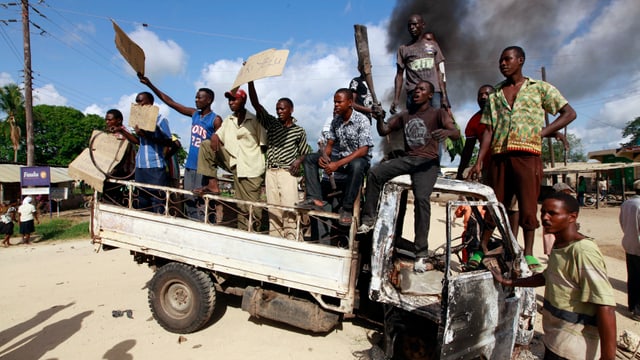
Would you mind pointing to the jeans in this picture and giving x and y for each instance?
(354, 170)
(149, 199)
(193, 180)
(424, 173)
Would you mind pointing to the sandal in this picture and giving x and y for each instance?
(310, 204)
(345, 218)
(533, 263)
(475, 260)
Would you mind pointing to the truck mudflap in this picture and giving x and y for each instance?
(287, 309)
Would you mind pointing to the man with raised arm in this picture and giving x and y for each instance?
(204, 123)
(285, 153)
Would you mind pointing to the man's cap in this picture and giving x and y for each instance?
(636, 185)
(561, 187)
(239, 94)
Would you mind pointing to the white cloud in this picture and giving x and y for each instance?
(162, 57)
(312, 75)
(95, 109)
(5, 79)
(49, 95)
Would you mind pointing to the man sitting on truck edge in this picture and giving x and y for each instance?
(350, 133)
(424, 128)
(578, 318)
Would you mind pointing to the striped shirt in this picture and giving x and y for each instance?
(286, 144)
(151, 153)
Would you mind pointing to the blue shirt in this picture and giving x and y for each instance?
(201, 129)
(150, 153)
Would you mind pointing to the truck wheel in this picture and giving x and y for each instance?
(181, 298)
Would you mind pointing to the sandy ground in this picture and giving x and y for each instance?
(57, 300)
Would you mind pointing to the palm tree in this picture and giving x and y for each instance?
(12, 104)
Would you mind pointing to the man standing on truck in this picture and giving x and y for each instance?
(204, 122)
(420, 59)
(473, 131)
(237, 146)
(285, 153)
(424, 127)
(350, 134)
(514, 116)
(150, 163)
(578, 318)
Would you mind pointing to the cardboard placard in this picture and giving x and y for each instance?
(108, 151)
(129, 49)
(145, 116)
(264, 64)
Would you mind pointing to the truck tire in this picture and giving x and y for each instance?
(181, 298)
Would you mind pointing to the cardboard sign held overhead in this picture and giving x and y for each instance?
(264, 64)
(129, 49)
(145, 116)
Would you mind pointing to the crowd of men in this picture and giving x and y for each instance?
(509, 126)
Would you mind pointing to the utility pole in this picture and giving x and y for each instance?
(28, 96)
(546, 121)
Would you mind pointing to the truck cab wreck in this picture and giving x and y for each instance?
(451, 312)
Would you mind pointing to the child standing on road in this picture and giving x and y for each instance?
(6, 224)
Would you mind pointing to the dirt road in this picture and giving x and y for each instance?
(57, 300)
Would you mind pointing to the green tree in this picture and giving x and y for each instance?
(61, 133)
(576, 150)
(13, 124)
(632, 128)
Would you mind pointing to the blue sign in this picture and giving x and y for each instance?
(35, 176)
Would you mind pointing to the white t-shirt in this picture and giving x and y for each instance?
(26, 212)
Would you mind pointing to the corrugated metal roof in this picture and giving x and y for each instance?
(587, 167)
(10, 173)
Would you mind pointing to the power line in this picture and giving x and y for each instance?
(148, 25)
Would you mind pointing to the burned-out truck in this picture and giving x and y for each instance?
(451, 312)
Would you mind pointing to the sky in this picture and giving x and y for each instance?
(587, 47)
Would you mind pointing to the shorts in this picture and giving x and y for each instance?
(6, 228)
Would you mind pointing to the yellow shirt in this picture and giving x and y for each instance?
(243, 143)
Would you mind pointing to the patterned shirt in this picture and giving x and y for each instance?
(243, 143)
(286, 144)
(150, 153)
(352, 135)
(420, 62)
(6, 218)
(576, 283)
(519, 129)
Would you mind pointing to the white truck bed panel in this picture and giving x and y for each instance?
(311, 267)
